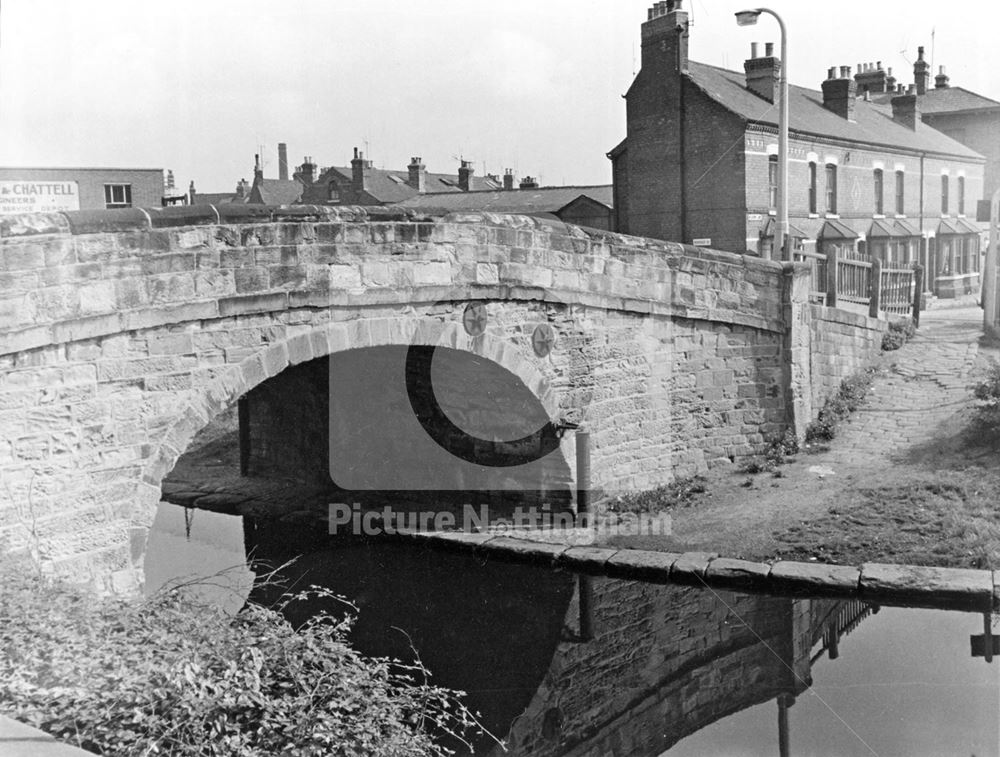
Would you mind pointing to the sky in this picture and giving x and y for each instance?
(200, 86)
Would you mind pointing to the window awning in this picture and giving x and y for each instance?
(883, 228)
(834, 229)
(968, 226)
(767, 230)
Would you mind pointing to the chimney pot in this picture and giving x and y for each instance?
(921, 72)
(831, 72)
(753, 50)
(769, 49)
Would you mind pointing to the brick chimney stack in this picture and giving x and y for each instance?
(529, 182)
(358, 166)
(839, 94)
(307, 171)
(282, 161)
(508, 179)
(665, 39)
(921, 72)
(763, 73)
(242, 188)
(905, 110)
(418, 174)
(871, 77)
(258, 170)
(465, 172)
(941, 80)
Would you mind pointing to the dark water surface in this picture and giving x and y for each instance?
(648, 669)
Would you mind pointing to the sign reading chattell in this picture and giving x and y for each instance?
(38, 196)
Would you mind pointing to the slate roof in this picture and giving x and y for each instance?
(806, 114)
(390, 186)
(216, 198)
(952, 99)
(277, 191)
(539, 200)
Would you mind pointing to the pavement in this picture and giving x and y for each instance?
(20, 740)
(923, 385)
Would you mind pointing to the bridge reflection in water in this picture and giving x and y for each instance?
(673, 669)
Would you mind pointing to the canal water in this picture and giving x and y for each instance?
(559, 664)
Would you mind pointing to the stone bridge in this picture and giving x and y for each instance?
(123, 333)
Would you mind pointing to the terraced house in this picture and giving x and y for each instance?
(868, 179)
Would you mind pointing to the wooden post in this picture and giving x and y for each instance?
(243, 413)
(831, 277)
(784, 742)
(918, 292)
(582, 472)
(875, 289)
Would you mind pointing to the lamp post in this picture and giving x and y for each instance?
(749, 18)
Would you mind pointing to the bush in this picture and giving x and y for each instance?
(849, 397)
(987, 392)
(165, 676)
(899, 333)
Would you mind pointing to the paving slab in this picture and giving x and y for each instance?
(919, 585)
(640, 565)
(812, 579)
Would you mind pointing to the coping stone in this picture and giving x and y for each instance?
(737, 574)
(104, 221)
(641, 565)
(459, 539)
(959, 587)
(814, 578)
(522, 549)
(586, 559)
(996, 590)
(690, 567)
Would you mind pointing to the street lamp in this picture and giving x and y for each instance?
(749, 18)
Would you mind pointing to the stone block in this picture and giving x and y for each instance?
(521, 550)
(927, 586)
(640, 565)
(727, 573)
(586, 559)
(690, 567)
(814, 579)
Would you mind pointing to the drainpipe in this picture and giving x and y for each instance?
(682, 147)
(925, 243)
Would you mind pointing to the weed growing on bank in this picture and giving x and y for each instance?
(166, 676)
(681, 492)
(850, 396)
(776, 455)
(899, 333)
(987, 393)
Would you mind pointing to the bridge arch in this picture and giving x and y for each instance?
(339, 338)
